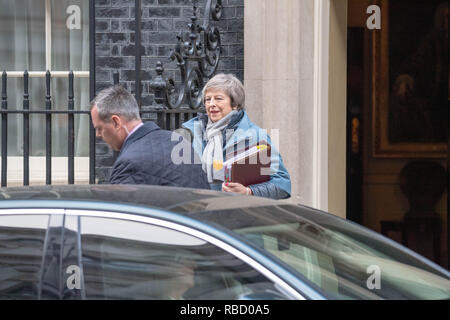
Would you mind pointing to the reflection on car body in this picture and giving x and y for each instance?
(143, 242)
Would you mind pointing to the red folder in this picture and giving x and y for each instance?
(250, 165)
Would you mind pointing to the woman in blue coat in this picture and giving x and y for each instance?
(225, 125)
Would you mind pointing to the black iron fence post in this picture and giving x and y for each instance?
(91, 151)
(159, 86)
(4, 130)
(26, 131)
(48, 126)
(71, 133)
(92, 56)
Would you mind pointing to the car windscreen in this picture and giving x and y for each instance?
(341, 259)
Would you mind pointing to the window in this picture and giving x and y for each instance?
(337, 257)
(46, 35)
(133, 260)
(22, 239)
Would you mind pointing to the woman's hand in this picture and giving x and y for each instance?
(236, 188)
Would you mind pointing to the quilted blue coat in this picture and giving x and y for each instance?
(279, 185)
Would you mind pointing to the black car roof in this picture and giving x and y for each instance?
(167, 198)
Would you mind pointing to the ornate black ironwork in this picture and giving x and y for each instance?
(197, 54)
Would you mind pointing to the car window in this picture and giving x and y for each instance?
(68, 255)
(342, 260)
(22, 240)
(51, 278)
(123, 259)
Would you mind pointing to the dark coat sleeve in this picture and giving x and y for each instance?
(148, 160)
(126, 172)
(122, 174)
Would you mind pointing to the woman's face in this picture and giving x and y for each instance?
(217, 104)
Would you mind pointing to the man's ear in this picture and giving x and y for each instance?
(117, 121)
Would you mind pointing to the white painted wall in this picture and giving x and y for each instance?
(287, 76)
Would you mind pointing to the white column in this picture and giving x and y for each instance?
(320, 104)
(287, 46)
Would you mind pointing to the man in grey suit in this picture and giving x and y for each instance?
(145, 150)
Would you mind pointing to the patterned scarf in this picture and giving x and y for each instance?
(212, 158)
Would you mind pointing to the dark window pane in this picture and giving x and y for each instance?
(70, 35)
(133, 260)
(22, 240)
(22, 34)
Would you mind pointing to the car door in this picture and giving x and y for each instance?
(29, 253)
(124, 256)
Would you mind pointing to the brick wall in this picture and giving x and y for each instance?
(161, 21)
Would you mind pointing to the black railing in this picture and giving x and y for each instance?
(197, 54)
(70, 112)
(4, 129)
(26, 131)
